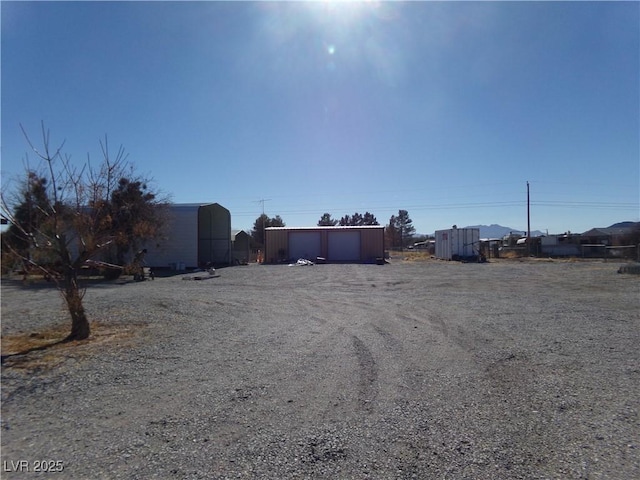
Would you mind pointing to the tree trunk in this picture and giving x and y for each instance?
(80, 329)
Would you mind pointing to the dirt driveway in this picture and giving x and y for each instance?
(422, 370)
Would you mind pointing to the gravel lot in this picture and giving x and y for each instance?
(429, 370)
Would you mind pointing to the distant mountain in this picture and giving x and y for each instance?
(624, 225)
(498, 231)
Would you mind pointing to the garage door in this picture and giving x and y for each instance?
(304, 245)
(344, 246)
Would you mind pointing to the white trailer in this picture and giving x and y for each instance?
(458, 243)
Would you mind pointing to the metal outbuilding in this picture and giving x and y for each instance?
(241, 242)
(348, 244)
(457, 243)
(195, 235)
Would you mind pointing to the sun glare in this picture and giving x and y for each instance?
(345, 11)
(344, 37)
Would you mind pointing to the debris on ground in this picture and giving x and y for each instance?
(201, 274)
(301, 262)
(633, 268)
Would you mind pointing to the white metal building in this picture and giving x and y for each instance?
(561, 245)
(194, 235)
(457, 243)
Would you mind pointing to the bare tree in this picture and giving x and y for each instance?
(67, 219)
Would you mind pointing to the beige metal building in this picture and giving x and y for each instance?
(335, 244)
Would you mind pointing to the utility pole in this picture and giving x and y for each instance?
(528, 222)
(264, 225)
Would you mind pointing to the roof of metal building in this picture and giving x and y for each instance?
(337, 227)
(194, 205)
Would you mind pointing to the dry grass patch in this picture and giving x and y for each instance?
(511, 255)
(416, 256)
(411, 255)
(46, 349)
(14, 344)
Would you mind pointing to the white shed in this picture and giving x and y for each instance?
(194, 235)
(457, 243)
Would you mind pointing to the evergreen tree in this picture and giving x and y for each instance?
(405, 225)
(357, 219)
(327, 221)
(135, 215)
(369, 219)
(392, 234)
(400, 229)
(345, 221)
(30, 213)
(262, 222)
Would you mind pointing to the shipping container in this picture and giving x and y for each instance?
(458, 244)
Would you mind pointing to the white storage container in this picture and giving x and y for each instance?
(457, 243)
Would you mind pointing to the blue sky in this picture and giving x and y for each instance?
(443, 109)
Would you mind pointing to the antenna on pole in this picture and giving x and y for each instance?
(262, 200)
(264, 228)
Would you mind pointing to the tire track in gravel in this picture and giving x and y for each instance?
(346, 358)
(372, 350)
(368, 374)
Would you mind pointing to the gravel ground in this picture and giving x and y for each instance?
(504, 370)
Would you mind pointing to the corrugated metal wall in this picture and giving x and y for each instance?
(214, 235)
(193, 235)
(180, 242)
(277, 245)
(457, 242)
(372, 244)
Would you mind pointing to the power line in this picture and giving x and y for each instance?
(454, 206)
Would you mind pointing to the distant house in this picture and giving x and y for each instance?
(597, 242)
(606, 236)
(565, 245)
